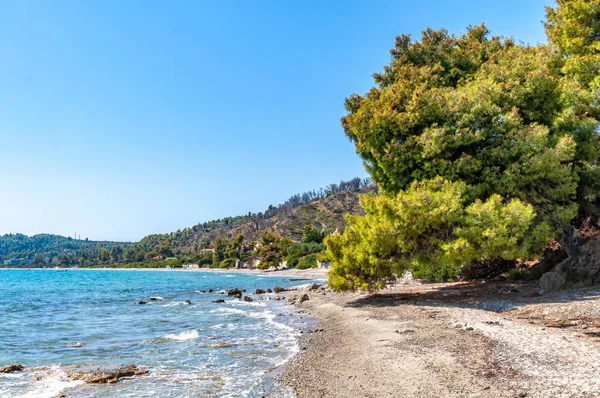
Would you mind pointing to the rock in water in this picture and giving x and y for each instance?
(187, 302)
(248, 299)
(15, 367)
(303, 298)
(278, 289)
(552, 281)
(106, 376)
(234, 292)
(218, 301)
(142, 302)
(259, 291)
(269, 291)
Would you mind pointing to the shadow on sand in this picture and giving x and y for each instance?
(490, 296)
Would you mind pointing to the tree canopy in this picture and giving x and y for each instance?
(483, 148)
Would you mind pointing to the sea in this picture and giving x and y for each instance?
(55, 321)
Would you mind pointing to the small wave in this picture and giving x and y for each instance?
(50, 384)
(248, 303)
(230, 311)
(183, 336)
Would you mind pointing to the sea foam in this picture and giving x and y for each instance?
(183, 336)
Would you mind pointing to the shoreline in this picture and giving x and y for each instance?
(312, 273)
(456, 339)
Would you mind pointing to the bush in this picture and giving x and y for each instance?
(307, 262)
(429, 230)
(296, 251)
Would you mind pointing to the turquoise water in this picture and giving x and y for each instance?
(52, 321)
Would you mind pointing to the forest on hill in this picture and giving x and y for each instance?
(322, 210)
(44, 249)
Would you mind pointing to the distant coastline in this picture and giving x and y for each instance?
(313, 273)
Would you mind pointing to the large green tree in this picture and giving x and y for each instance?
(508, 123)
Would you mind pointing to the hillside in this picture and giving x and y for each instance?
(323, 209)
(326, 213)
(19, 246)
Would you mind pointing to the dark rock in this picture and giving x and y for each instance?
(142, 302)
(218, 301)
(259, 291)
(269, 291)
(211, 290)
(201, 291)
(15, 367)
(156, 299)
(238, 295)
(313, 286)
(278, 289)
(234, 292)
(248, 299)
(552, 281)
(187, 302)
(303, 298)
(106, 376)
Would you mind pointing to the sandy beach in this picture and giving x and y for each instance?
(492, 339)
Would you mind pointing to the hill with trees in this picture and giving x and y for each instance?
(233, 238)
(56, 250)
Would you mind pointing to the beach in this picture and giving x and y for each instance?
(450, 340)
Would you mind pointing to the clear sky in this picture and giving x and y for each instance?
(124, 118)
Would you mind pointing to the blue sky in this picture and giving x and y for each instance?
(124, 118)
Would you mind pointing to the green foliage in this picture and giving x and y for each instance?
(488, 112)
(307, 262)
(271, 249)
(312, 235)
(56, 250)
(220, 247)
(202, 259)
(574, 28)
(430, 229)
(484, 150)
(297, 250)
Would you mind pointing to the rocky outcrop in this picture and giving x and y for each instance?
(106, 376)
(218, 301)
(269, 291)
(552, 281)
(583, 267)
(313, 286)
(259, 291)
(298, 299)
(15, 367)
(278, 289)
(303, 298)
(248, 299)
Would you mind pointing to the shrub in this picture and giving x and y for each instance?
(307, 262)
(429, 230)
